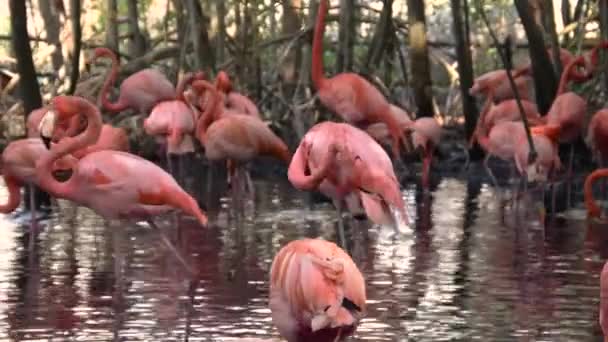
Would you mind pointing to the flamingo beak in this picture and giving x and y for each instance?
(46, 127)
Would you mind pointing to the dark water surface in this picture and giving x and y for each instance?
(468, 269)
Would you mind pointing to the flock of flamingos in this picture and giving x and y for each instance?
(317, 292)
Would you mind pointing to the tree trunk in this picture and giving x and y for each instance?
(419, 65)
(604, 35)
(137, 41)
(28, 84)
(111, 25)
(291, 25)
(77, 43)
(551, 31)
(52, 27)
(566, 15)
(465, 68)
(220, 44)
(346, 36)
(381, 37)
(203, 58)
(545, 82)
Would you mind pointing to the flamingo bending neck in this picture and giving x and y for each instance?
(68, 106)
(592, 208)
(121, 104)
(563, 82)
(211, 110)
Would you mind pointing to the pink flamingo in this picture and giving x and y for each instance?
(498, 81)
(114, 184)
(425, 133)
(172, 122)
(239, 138)
(235, 101)
(597, 135)
(349, 95)
(317, 293)
(506, 111)
(18, 169)
(506, 140)
(568, 111)
(348, 166)
(140, 91)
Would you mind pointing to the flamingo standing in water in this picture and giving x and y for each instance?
(348, 166)
(114, 184)
(140, 91)
(349, 95)
(18, 169)
(507, 140)
(239, 138)
(172, 122)
(505, 111)
(425, 132)
(317, 293)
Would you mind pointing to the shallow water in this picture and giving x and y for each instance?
(468, 269)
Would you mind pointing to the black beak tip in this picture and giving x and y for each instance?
(46, 141)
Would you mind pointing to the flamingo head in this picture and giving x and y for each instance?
(47, 127)
(223, 82)
(59, 112)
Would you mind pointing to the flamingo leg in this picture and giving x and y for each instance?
(172, 248)
(489, 171)
(249, 184)
(569, 188)
(170, 164)
(33, 221)
(118, 281)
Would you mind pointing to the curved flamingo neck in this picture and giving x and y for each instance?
(184, 82)
(479, 130)
(592, 208)
(68, 106)
(317, 73)
(299, 164)
(211, 109)
(120, 105)
(563, 82)
(14, 195)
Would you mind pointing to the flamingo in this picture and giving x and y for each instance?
(317, 293)
(568, 111)
(506, 111)
(350, 167)
(349, 95)
(604, 301)
(18, 169)
(239, 138)
(497, 80)
(140, 91)
(235, 101)
(172, 122)
(426, 134)
(114, 184)
(506, 140)
(597, 135)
